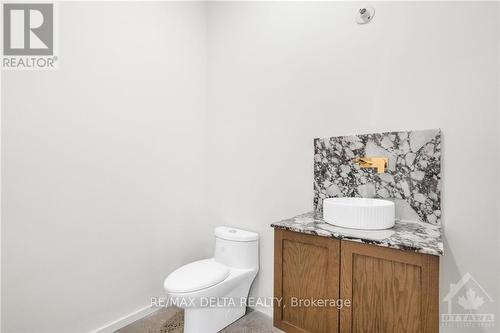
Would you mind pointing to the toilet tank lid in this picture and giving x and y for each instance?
(234, 234)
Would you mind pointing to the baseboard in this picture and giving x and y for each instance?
(141, 313)
(126, 320)
(268, 311)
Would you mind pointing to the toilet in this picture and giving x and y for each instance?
(213, 291)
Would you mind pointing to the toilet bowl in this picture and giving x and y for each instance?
(213, 291)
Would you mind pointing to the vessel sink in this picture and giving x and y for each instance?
(359, 213)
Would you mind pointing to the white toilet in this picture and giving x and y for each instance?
(213, 291)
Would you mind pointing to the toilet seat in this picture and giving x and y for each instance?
(195, 276)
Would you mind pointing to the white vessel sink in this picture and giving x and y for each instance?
(359, 213)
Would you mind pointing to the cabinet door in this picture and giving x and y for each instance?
(390, 290)
(305, 267)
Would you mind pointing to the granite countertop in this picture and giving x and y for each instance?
(405, 235)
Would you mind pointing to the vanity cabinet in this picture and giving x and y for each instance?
(305, 267)
(389, 290)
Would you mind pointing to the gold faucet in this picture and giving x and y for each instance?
(379, 163)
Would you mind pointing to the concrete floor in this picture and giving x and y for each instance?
(253, 322)
(165, 320)
(170, 320)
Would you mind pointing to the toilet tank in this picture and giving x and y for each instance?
(237, 248)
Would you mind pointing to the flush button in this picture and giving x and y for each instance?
(232, 231)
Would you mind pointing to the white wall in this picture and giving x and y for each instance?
(281, 74)
(498, 108)
(103, 166)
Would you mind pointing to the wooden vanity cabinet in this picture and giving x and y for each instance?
(390, 290)
(305, 267)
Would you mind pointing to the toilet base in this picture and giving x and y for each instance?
(210, 320)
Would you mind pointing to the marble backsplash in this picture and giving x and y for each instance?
(412, 179)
